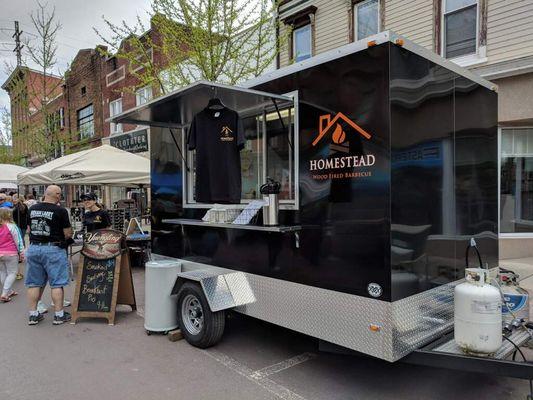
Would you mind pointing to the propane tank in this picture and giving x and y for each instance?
(516, 303)
(478, 314)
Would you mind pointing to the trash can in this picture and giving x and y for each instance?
(160, 310)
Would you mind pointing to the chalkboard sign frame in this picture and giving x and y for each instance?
(123, 291)
(109, 315)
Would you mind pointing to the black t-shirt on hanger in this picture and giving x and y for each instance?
(218, 137)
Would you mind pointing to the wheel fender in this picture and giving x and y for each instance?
(222, 291)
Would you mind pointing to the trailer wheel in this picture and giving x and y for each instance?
(200, 326)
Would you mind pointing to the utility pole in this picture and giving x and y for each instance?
(18, 47)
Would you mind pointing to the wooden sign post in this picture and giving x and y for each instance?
(104, 277)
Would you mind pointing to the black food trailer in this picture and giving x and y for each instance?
(387, 159)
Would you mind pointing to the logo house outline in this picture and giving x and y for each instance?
(226, 130)
(339, 136)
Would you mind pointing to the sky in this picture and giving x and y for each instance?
(77, 19)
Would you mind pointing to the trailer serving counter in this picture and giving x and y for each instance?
(387, 158)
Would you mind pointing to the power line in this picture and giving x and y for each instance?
(57, 41)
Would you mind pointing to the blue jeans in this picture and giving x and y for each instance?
(46, 264)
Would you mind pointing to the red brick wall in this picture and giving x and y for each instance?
(118, 89)
(86, 72)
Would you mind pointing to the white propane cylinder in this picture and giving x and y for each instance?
(478, 314)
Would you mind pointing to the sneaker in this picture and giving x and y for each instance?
(61, 320)
(35, 319)
(19, 276)
(41, 308)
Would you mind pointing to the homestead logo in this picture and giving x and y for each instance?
(226, 134)
(325, 124)
(340, 167)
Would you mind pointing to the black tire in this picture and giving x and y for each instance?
(213, 322)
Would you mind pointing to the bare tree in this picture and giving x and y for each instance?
(6, 150)
(217, 40)
(42, 52)
(37, 132)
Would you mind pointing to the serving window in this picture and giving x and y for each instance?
(270, 150)
(270, 126)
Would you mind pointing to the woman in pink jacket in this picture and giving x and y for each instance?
(11, 252)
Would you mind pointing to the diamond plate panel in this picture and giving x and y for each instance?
(199, 274)
(419, 319)
(240, 288)
(336, 317)
(223, 288)
(217, 292)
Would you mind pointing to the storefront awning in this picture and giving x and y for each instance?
(177, 109)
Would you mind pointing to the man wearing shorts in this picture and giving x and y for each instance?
(46, 260)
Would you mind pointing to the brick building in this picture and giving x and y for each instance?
(95, 88)
(30, 92)
(83, 94)
(122, 90)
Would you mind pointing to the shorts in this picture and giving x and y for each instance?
(46, 264)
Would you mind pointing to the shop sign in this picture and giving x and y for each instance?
(345, 166)
(134, 142)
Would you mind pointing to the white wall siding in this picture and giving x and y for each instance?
(509, 32)
(509, 29)
(332, 24)
(412, 19)
(284, 50)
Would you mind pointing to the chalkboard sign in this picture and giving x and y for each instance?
(96, 285)
(104, 277)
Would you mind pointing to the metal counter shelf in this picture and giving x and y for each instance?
(197, 222)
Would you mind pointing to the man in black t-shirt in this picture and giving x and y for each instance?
(94, 217)
(218, 137)
(46, 260)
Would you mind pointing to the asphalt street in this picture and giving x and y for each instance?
(255, 360)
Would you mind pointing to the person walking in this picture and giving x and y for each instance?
(21, 214)
(11, 252)
(95, 217)
(4, 203)
(9, 201)
(46, 258)
(21, 218)
(30, 200)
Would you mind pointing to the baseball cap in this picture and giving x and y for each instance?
(88, 196)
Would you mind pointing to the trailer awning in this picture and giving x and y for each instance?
(177, 109)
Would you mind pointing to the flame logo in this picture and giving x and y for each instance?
(339, 136)
(325, 122)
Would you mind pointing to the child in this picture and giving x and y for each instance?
(11, 252)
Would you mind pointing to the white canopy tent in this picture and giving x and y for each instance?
(104, 165)
(8, 175)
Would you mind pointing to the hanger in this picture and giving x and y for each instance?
(215, 104)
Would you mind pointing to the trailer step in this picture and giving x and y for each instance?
(444, 353)
(518, 337)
